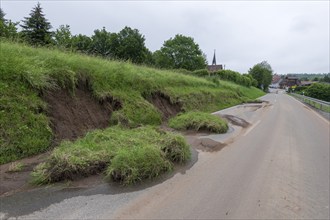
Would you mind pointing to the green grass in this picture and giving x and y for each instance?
(25, 72)
(127, 155)
(199, 121)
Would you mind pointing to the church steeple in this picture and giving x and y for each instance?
(214, 62)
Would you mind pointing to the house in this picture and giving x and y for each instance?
(290, 81)
(214, 67)
(276, 80)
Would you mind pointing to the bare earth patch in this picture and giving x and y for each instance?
(164, 105)
(73, 116)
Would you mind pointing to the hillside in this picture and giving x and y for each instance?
(48, 96)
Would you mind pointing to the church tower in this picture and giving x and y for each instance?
(214, 67)
(214, 61)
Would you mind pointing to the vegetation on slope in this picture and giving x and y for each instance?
(199, 121)
(27, 72)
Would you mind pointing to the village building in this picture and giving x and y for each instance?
(290, 81)
(214, 67)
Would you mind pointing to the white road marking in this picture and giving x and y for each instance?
(312, 110)
(252, 127)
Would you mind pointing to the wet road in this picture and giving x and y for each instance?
(278, 168)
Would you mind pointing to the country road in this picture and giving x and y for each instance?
(278, 168)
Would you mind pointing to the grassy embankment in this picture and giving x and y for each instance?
(24, 127)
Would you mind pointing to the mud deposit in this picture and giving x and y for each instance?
(236, 121)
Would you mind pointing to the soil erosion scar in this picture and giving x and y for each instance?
(72, 116)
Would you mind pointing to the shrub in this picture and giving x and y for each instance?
(201, 72)
(235, 77)
(319, 91)
(199, 121)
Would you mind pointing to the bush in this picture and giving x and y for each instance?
(201, 72)
(235, 77)
(319, 91)
(199, 121)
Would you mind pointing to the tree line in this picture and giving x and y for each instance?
(127, 45)
(180, 52)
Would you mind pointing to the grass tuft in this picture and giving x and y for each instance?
(15, 167)
(131, 165)
(199, 121)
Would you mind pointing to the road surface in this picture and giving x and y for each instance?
(278, 168)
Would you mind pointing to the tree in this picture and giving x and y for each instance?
(101, 43)
(326, 78)
(63, 37)
(81, 43)
(36, 28)
(180, 52)
(8, 28)
(129, 45)
(262, 72)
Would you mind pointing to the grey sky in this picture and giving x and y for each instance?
(293, 36)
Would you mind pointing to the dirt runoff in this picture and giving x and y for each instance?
(164, 105)
(71, 116)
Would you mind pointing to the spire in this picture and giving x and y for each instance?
(214, 62)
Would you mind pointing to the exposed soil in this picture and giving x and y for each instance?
(164, 105)
(72, 116)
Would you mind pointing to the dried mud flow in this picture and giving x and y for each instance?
(164, 105)
(236, 121)
(73, 115)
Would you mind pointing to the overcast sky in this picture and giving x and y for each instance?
(293, 36)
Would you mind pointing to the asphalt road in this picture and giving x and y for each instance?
(278, 168)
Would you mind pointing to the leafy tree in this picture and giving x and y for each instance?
(63, 37)
(101, 44)
(262, 72)
(180, 52)
(81, 43)
(8, 28)
(326, 78)
(36, 28)
(129, 45)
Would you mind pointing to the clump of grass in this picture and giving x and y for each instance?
(134, 164)
(15, 167)
(199, 121)
(127, 155)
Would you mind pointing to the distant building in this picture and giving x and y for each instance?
(214, 67)
(276, 80)
(290, 81)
